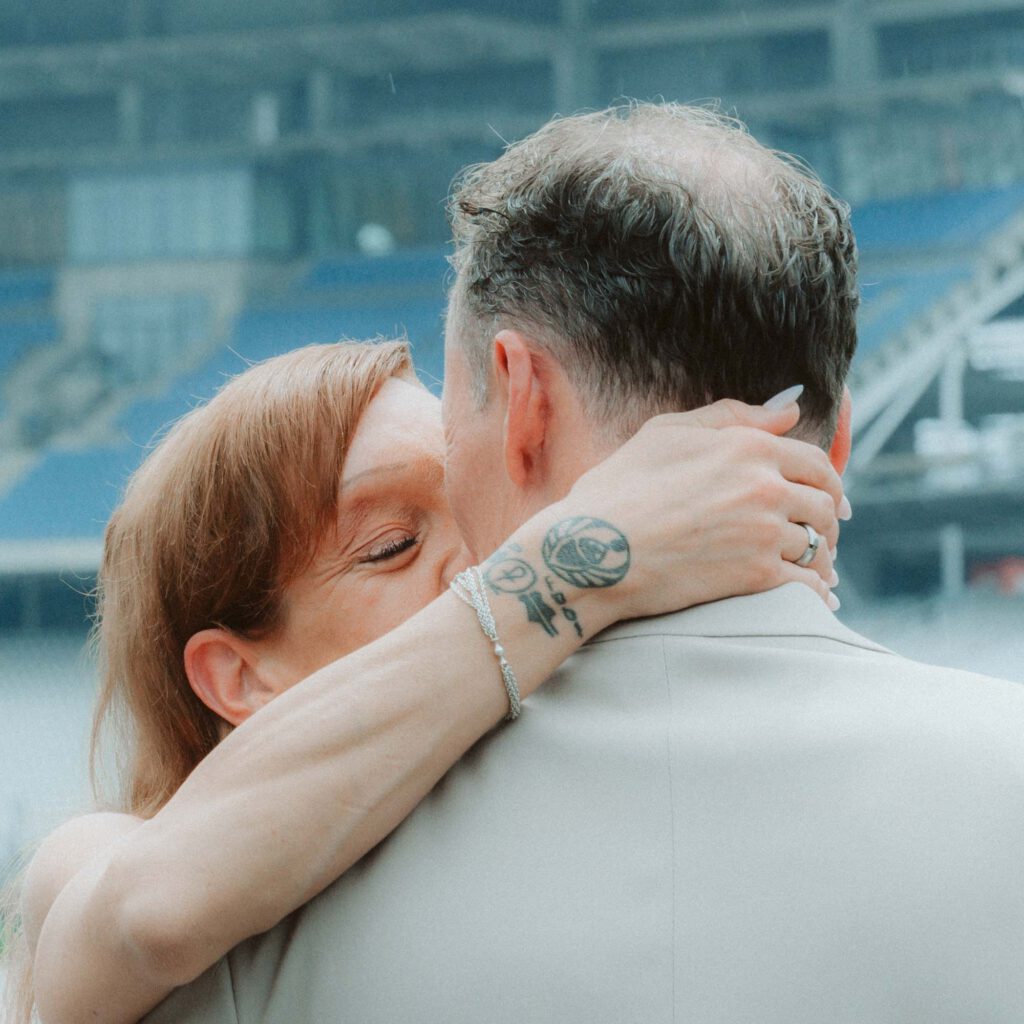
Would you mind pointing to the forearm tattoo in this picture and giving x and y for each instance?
(582, 551)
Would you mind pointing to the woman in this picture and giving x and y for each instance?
(297, 519)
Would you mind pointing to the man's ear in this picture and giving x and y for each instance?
(519, 373)
(222, 670)
(839, 453)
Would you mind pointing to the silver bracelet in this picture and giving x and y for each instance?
(469, 586)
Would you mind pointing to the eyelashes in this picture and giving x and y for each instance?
(391, 549)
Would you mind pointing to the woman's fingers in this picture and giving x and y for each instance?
(809, 505)
(804, 463)
(795, 574)
(731, 413)
(798, 461)
(795, 545)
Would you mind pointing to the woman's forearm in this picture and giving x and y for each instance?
(300, 791)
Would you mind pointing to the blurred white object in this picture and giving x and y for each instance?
(964, 456)
(162, 214)
(1002, 444)
(999, 346)
(1013, 84)
(266, 118)
(953, 449)
(375, 240)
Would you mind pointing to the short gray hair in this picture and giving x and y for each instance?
(665, 258)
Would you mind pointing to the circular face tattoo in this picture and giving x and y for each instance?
(510, 576)
(586, 552)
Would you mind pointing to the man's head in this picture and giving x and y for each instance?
(638, 260)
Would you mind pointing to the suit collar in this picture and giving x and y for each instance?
(789, 610)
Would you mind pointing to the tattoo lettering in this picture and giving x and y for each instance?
(586, 552)
(561, 600)
(510, 576)
(539, 611)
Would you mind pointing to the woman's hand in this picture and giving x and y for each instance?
(710, 502)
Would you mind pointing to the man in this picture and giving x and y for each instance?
(778, 820)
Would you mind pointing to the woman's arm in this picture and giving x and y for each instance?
(302, 789)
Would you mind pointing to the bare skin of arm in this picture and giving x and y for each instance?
(120, 911)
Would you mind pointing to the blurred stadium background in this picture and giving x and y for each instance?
(189, 184)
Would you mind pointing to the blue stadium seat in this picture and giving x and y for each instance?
(25, 287)
(890, 303)
(416, 267)
(262, 333)
(19, 336)
(944, 220)
(68, 495)
(71, 494)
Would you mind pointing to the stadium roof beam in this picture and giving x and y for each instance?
(890, 11)
(657, 32)
(418, 42)
(422, 43)
(654, 32)
(414, 131)
(794, 107)
(18, 558)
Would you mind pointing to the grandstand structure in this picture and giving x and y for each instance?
(938, 467)
(187, 185)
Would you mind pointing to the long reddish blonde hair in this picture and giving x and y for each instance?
(225, 511)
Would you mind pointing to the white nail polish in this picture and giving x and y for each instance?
(784, 398)
(833, 602)
(834, 553)
(834, 579)
(845, 509)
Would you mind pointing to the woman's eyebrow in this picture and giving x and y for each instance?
(391, 467)
(429, 467)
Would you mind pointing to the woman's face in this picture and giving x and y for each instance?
(395, 548)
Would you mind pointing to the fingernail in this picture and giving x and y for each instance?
(834, 553)
(845, 509)
(833, 580)
(833, 603)
(784, 398)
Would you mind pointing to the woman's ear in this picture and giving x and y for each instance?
(223, 671)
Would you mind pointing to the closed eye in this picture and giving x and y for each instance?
(390, 549)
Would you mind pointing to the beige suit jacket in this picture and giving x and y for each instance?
(743, 812)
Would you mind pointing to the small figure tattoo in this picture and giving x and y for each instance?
(539, 611)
